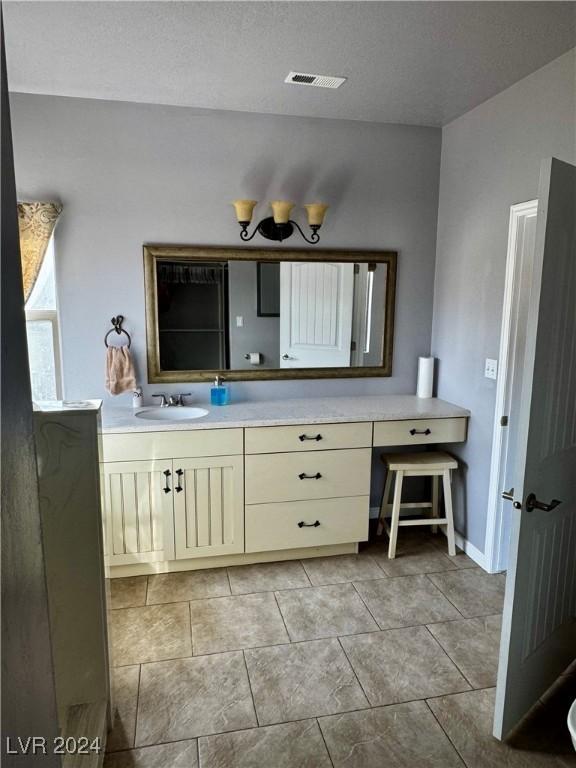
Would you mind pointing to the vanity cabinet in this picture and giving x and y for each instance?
(137, 511)
(179, 495)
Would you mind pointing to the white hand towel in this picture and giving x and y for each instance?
(120, 374)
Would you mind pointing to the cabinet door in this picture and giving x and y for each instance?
(209, 506)
(138, 511)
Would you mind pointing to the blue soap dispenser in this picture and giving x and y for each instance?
(219, 394)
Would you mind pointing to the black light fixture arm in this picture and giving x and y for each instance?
(314, 237)
(244, 231)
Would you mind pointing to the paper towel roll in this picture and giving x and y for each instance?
(425, 376)
(255, 358)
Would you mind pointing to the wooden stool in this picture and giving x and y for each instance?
(401, 465)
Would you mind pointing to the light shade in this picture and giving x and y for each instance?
(316, 213)
(281, 211)
(244, 209)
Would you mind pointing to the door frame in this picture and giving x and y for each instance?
(494, 553)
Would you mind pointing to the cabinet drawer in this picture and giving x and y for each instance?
(308, 437)
(325, 474)
(419, 431)
(276, 526)
(135, 446)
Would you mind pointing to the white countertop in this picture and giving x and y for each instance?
(268, 413)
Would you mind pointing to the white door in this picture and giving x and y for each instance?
(539, 624)
(316, 302)
(209, 506)
(138, 511)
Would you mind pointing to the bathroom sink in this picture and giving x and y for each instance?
(175, 413)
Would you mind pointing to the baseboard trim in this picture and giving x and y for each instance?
(472, 551)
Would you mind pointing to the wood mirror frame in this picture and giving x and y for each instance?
(155, 253)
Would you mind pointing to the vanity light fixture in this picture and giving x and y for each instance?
(279, 226)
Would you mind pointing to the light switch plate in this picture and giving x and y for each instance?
(491, 368)
(239, 321)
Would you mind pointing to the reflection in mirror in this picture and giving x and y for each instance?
(249, 315)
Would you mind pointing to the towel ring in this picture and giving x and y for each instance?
(117, 323)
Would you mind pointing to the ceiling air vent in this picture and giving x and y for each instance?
(318, 81)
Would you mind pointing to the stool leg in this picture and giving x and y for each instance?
(385, 501)
(395, 514)
(434, 501)
(448, 512)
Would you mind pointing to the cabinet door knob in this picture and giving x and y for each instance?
(304, 476)
(302, 524)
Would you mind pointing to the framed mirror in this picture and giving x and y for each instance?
(268, 314)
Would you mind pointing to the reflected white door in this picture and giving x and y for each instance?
(539, 624)
(316, 302)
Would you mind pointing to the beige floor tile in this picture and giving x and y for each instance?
(473, 645)
(290, 745)
(324, 612)
(401, 665)
(242, 621)
(467, 720)
(187, 585)
(293, 682)
(340, 569)
(405, 601)
(150, 633)
(414, 560)
(128, 592)
(400, 736)
(473, 591)
(193, 697)
(179, 754)
(125, 697)
(267, 577)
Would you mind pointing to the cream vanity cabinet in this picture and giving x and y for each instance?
(172, 495)
(307, 486)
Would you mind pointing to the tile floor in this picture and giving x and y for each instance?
(345, 662)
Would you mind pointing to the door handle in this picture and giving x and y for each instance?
(304, 476)
(533, 503)
(286, 356)
(302, 524)
(167, 474)
(420, 431)
(179, 488)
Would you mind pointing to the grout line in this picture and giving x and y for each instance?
(191, 626)
(355, 675)
(302, 564)
(447, 598)
(450, 659)
(464, 763)
(324, 740)
(146, 595)
(251, 691)
(137, 706)
(282, 616)
(367, 608)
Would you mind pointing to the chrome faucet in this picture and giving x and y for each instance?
(172, 401)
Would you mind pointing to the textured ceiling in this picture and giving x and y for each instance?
(422, 63)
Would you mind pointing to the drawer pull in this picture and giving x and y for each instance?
(420, 431)
(304, 476)
(306, 437)
(179, 488)
(167, 474)
(302, 524)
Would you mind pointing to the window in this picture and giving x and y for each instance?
(43, 333)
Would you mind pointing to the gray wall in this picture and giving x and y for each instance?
(28, 694)
(258, 334)
(490, 160)
(128, 174)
